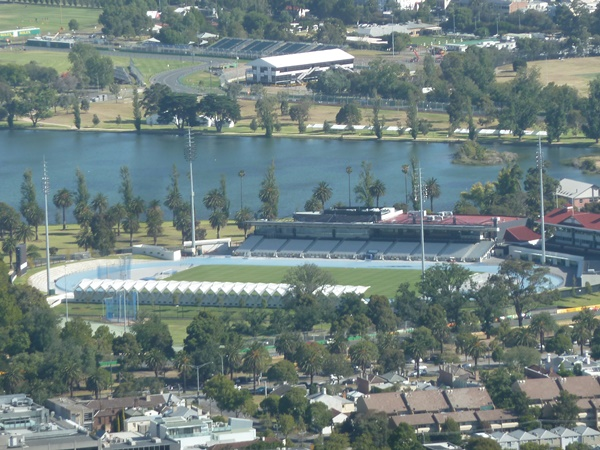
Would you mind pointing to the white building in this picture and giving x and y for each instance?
(297, 67)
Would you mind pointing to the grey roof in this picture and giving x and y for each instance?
(502, 436)
(564, 432)
(575, 189)
(582, 430)
(523, 436)
(541, 433)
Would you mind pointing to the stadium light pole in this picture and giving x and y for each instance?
(422, 227)
(46, 188)
(540, 161)
(349, 171)
(241, 174)
(190, 156)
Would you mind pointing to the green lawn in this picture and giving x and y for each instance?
(49, 19)
(60, 61)
(381, 281)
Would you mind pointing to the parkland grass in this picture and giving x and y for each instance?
(49, 19)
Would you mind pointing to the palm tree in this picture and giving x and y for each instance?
(541, 324)
(24, 232)
(313, 204)
(433, 190)
(99, 203)
(132, 221)
(85, 238)
(322, 192)
(98, 380)
(241, 219)
(476, 350)
(362, 354)
(155, 359)
(183, 364)
(214, 200)
(234, 344)
(63, 199)
(405, 168)
(377, 190)
(585, 325)
(33, 252)
(218, 220)
(117, 213)
(256, 360)
(9, 246)
(13, 378)
(71, 374)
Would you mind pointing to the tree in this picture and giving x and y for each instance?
(77, 116)
(541, 324)
(322, 192)
(379, 310)
(114, 89)
(98, 380)
(9, 247)
(28, 205)
(404, 438)
(294, 403)
(283, 371)
(137, 112)
(266, 112)
(318, 416)
(364, 187)
(419, 343)
(433, 190)
(480, 443)
(269, 195)
(90, 67)
(220, 108)
(242, 217)
(444, 285)
(348, 114)
(24, 232)
(377, 190)
(412, 119)
(363, 354)
(591, 111)
(522, 103)
(526, 284)
(311, 357)
(559, 103)
(300, 114)
(490, 302)
(154, 221)
(565, 411)
(256, 360)
(73, 25)
(178, 108)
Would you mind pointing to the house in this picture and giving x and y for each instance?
(522, 235)
(68, 409)
(588, 435)
(523, 437)
(474, 398)
(366, 385)
(539, 390)
(582, 387)
(432, 401)
(566, 435)
(497, 419)
(506, 440)
(333, 402)
(466, 420)
(546, 437)
(454, 376)
(577, 193)
(390, 403)
(422, 423)
(574, 230)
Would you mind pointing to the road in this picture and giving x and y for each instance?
(172, 78)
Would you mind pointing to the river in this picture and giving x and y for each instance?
(300, 165)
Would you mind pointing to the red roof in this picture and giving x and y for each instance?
(520, 234)
(567, 216)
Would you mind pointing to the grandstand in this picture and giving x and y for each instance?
(378, 233)
(258, 48)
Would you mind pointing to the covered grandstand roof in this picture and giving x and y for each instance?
(301, 59)
(203, 287)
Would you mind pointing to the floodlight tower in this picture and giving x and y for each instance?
(540, 162)
(421, 213)
(46, 189)
(190, 156)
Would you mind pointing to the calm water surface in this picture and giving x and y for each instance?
(300, 165)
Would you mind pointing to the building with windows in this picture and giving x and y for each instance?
(578, 193)
(297, 67)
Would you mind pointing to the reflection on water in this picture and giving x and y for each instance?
(300, 165)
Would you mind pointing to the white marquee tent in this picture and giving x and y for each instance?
(203, 293)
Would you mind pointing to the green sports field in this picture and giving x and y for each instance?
(49, 19)
(381, 281)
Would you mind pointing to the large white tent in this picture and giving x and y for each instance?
(202, 293)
